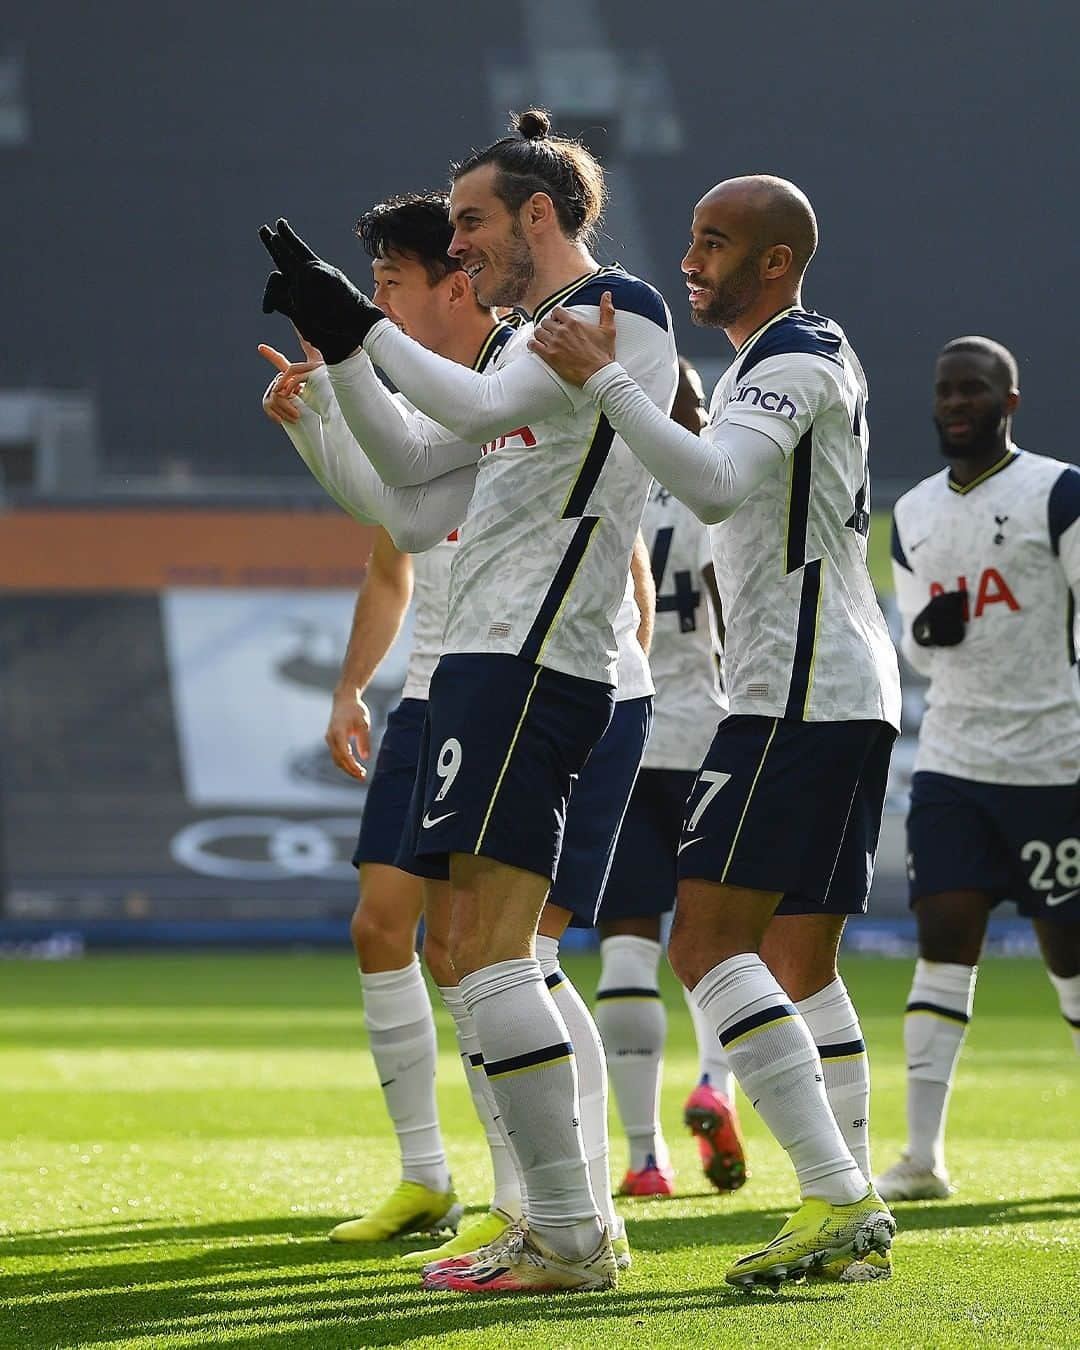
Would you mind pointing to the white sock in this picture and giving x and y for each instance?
(401, 1033)
(834, 1025)
(714, 1068)
(529, 1061)
(1068, 992)
(774, 1058)
(504, 1166)
(591, 1076)
(938, 1012)
(632, 1022)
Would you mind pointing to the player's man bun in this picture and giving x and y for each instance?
(532, 160)
(533, 124)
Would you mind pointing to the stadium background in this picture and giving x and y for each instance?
(174, 591)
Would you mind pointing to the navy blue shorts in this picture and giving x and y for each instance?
(1013, 843)
(597, 807)
(386, 805)
(504, 743)
(790, 806)
(642, 881)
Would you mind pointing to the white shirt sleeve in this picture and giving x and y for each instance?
(405, 447)
(475, 406)
(911, 599)
(713, 473)
(415, 517)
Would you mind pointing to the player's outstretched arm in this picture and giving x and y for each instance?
(416, 517)
(477, 407)
(713, 474)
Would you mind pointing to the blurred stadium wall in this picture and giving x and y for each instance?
(174, 593)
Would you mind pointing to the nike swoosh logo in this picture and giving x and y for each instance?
(1060, 899)
(913, 547)
(687, 842)
(429, 821)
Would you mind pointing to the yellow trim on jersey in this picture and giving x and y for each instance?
(817, 632)
(485, 346)
(569, 587)
(506, 761)
(581, 466)
(767, 324)
(767, 1026)
(531, 1068)
(962, 489)
(746, 806)
(544, 308)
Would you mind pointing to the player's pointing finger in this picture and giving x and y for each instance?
(296, 246)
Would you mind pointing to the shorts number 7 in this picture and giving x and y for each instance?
(715, 781)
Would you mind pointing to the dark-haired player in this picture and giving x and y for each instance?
(525, 687)
(641, 888)
(781, 831)
(986, 558)
(424, 291)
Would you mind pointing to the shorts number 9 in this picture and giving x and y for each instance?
(447, 766)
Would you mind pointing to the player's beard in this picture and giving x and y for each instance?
(516, 271)
(984, 440)
(733, 296)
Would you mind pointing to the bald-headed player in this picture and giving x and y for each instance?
(986, 559)
(782, 827)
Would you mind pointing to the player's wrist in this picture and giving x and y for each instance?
(601, 380)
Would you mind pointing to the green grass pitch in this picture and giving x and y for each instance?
(179, 1132)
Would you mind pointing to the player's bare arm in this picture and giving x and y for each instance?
(380, 609)
(644, 592)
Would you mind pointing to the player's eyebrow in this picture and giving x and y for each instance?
(714, 233)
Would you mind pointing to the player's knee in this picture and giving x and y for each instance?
(437, 959)
(687, 958)
(381, 937)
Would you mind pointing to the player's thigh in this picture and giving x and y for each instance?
(495, 909)
(772, 801)
(641, 883)
(386, 918)
(801, 951)
(436, 895)
(506, 742)
(952, 925)
(1059, 942)
(714, 923)
(955, 848)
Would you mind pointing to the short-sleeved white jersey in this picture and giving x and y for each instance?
(545, 546)
(1004, 704)
(689, 697)
(805, 636)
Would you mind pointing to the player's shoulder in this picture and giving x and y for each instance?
(1061, 482)
(629, 295)
(800, 332)
(933, 487)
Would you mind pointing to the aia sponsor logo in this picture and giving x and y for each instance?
(992, 589)
(522, 434)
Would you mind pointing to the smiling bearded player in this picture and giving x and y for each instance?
(986, 559)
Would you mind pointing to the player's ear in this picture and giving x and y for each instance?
(1012, 401)
(539, 210)
(777, 261)
(460, 286)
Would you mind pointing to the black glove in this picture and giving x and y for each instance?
(320, 300)
(943, 622)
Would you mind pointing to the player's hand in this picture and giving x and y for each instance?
(573, 349)
(280, 401)
(320, 300)
(348, 733)
(943, 622)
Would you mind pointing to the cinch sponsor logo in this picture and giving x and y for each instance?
(524, 434)
(768, 399)
(993, 589)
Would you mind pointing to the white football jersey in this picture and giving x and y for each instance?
(805, 637)
(1004, 704)
(545, 546)
(689, 697)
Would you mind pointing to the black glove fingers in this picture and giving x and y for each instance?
(274, 247)
(291, 240)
